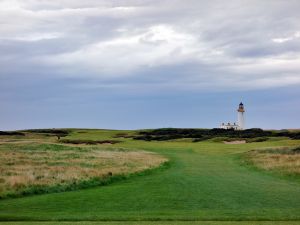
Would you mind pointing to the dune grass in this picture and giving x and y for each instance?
(30, 168)
(205, 181)
(283, 160)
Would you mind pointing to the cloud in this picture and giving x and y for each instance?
(135, 50)
(174, 44)
(285, 39)
(35, 37)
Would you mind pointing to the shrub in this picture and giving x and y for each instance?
(60, 132)
(258, 139)
(88, 142)
(296, 150)
(11, 133)
(201, 134)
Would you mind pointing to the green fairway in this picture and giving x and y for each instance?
(205, 181)
(159, 223)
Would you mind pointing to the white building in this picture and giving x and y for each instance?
(229, 125)
(240, 125)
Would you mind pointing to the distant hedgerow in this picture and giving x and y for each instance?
(250, 135)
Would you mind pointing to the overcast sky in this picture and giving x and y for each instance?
(144, 64)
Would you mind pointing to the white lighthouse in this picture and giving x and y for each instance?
(240, 125)
(241, 120)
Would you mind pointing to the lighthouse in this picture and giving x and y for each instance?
(240, 125)
(241, 120)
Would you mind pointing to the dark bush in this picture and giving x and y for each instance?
(256, 134)
(295, 136)
(286, 133)
(11, 133)
(282, 133)
(296, 150)
(258, 139)
(60, 132)
(88, 142)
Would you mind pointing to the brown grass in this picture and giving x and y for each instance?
(283, 160)
(25, 165)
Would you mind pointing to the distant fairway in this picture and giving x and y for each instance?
(205, 181)
(158, 223)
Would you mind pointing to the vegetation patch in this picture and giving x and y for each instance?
(249, 135)
(11, 133)
(124, 135)
(50, 132)
(235, 142)
(295, 135)
(257, 139)
(283, 160)
(88, 142)
(39, 168)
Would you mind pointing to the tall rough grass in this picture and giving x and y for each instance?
(283, 160)
(34, 168)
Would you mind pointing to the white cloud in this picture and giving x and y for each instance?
(155, 46)
(35, 37)
(285, 39)
(281, 40)
(228, 44)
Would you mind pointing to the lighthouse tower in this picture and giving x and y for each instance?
(241, 121)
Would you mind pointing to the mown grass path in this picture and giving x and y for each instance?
(204, 182)
(156, 223)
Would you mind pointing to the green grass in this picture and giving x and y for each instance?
(205, 181)
(159, 223)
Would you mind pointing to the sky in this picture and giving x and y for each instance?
(133, 64)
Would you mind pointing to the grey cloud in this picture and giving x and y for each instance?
(173, 43)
